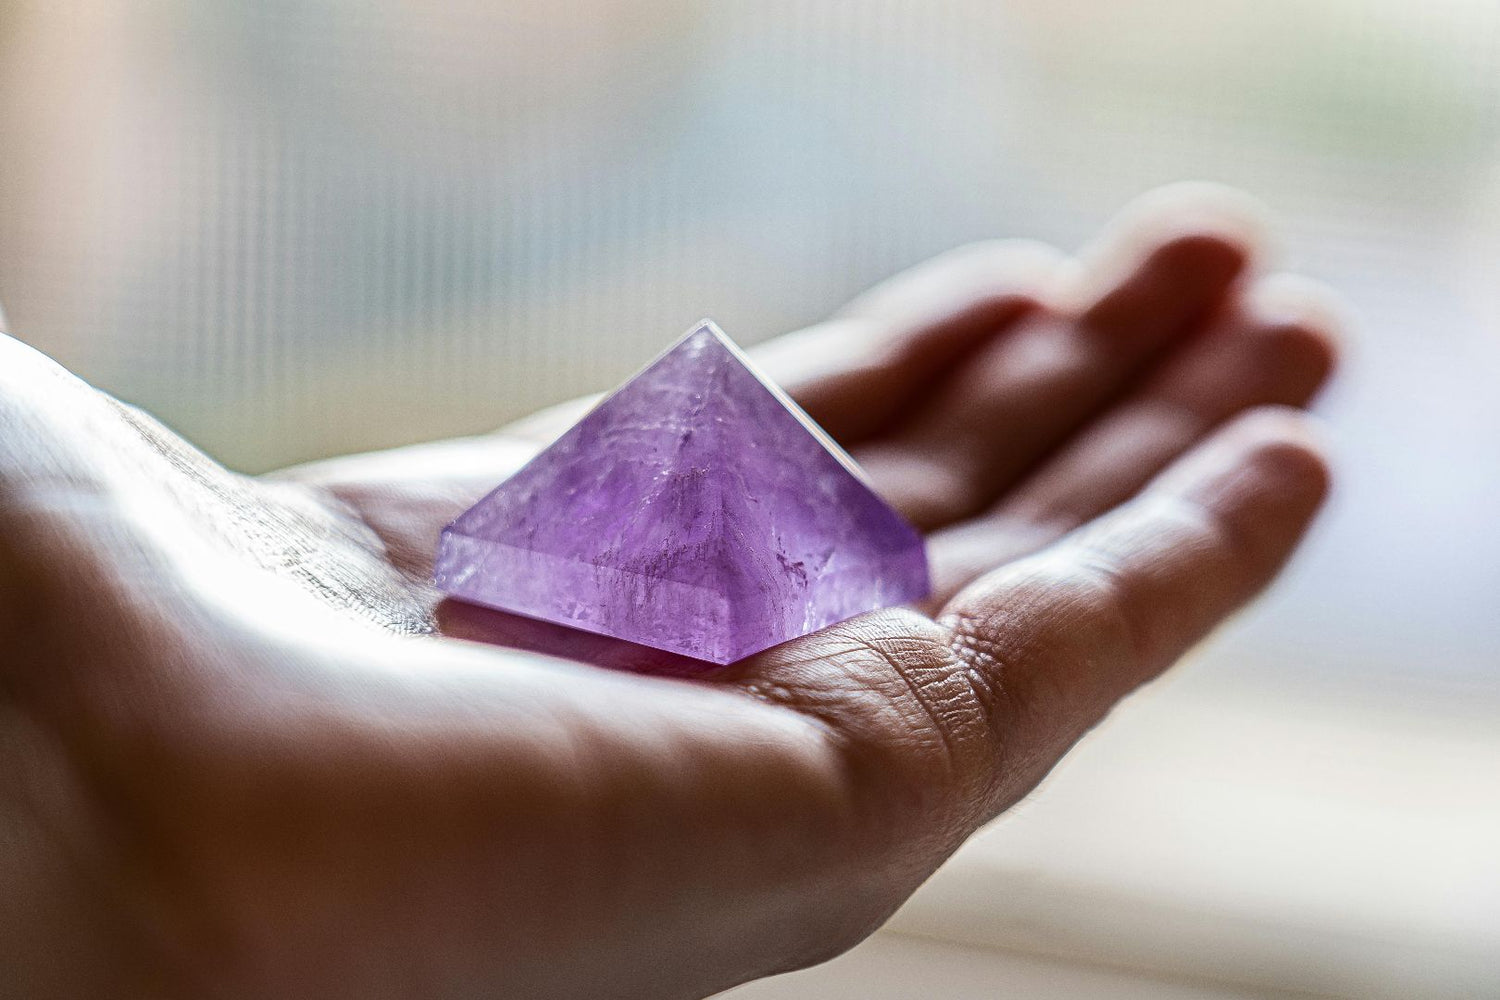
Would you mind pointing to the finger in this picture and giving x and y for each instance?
(1021, 394)
(856, 373)
(1052, 641)
(945, 723)
(1278, 348)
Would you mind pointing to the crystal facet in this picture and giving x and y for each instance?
(697, 509)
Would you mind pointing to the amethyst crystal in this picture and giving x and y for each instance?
(697, 509)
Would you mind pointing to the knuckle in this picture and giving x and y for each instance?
(889, 689)
(1035, 651)
(903, 673)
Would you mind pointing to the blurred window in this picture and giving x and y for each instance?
(300, 227)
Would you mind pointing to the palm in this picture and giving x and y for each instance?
(307, 776)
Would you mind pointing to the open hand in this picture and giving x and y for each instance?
(248, 751)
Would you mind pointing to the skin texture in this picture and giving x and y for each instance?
(249, 752)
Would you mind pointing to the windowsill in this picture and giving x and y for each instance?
(1219, 832)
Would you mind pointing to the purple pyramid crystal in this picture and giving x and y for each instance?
(697, 509)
